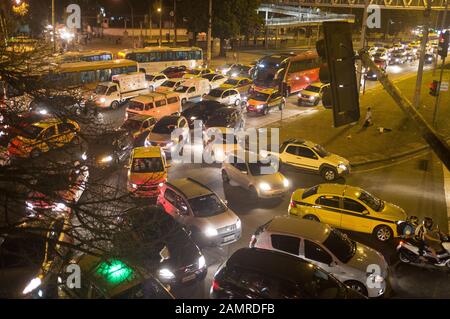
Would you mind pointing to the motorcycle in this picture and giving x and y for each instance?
(409, 252)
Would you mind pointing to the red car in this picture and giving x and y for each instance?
(175, 71)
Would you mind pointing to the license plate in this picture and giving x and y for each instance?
(188, 278)
(228, 238)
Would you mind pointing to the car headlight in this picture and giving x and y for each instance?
(201, 262)
(32, 285)
(311, 98)
(29, 205)
(60, 206)
(264, 187)
(43, 112)
(106, 159)
(210, 232)
(134, 186)
(84, 156)
(286, 182)
(193, 118)
(165, 273)
(260, 106)
(102, 100)
(238, 224)
(342, 167)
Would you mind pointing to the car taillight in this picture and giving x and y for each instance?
(215, 285)
(253, 241)
(292, 204)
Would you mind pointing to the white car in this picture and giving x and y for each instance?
(224, 96)
(313, 157)
(261, 178)
(356, 265)
(215, 80)
(155, 80)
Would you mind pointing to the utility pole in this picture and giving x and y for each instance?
(53, 26)
(160, 22)
(442, 28)
(438, 98)
(209, 36)
(423, 47)
(362, 43)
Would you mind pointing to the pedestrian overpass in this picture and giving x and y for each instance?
(295, 16)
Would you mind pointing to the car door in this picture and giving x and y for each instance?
(318, 255)
(289, 155)
(66, 133)
(226, 97)
(234, 96)
(192, 93)
(159, 80)
(239, 171)
(285, 244)
(328, 209)
(307, 158)
(356, 216)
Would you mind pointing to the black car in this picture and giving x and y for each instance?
(109, 149)
(262, 274)
(228, 117)
(166, 247)
(200, 111)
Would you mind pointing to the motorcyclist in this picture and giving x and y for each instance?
(430, 237)
(410, 226)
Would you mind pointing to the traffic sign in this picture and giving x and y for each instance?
(444, 86)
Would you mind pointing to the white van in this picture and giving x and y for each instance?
(120, 89)
(192, 89)
(154, 104)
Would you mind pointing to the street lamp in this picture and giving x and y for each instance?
(132, 20)
(160, 24)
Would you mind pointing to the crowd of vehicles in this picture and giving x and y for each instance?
(164, 90)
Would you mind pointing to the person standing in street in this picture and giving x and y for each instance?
(368, 119)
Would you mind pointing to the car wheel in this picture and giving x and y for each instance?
(311, 217)
(357, 286)
(114, 105)
(151, 88)
(265, 111)
(403, 256)
(383, 233)
(329, 174)
(225, 177)
(35, 153)
(253, 193)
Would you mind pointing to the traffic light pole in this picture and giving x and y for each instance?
(444, 18)
(438, 98)
(437, 144)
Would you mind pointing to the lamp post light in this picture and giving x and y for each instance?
(160, 24)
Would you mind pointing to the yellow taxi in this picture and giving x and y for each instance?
(348, 207)
(42, 136)
(196, 73)
(241, 84)
(261, 101)
(147, 171)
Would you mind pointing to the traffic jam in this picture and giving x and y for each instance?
(171, 107)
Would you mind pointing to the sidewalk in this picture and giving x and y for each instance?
(366, 145)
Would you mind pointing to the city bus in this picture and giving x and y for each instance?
(156, 59)
(88, 74)
(86, 56)
(290, 71)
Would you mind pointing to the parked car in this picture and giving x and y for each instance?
(228, 117)
(224, 96)
(154, 80)
(215, 80)
(312, 94)
(196, 73)
(201, 211)
(154, 104)
(161, 134)
(200, 111)
(147, 171)
(260, 177)
(262, 101)
(348, 207)
(326, 248)
(313, 157)
(174, 71)
(136, 125)
(252, 273)
(170, 85)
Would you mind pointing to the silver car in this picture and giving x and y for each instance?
(201, 211)
(260, 177)
(225, 96)
(356, 265)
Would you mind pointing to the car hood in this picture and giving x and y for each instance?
(366, 256)
(224, 219)
(393, 212)
(336, 159)
(309, 93)
(274, 180)
(159, 138)
(148, 178)
(255, 102)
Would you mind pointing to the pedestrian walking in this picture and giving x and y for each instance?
(368, 119)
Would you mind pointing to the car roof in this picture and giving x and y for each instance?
(300, 142)
(190, 188)
(146, 152)
(318, 84)
(267, 90)
(308, 229)
(270, 262)
(48, 122)
(339, 189)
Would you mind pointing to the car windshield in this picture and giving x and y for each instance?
(259, 96)
(195, 72)
(150, 77)
(209, 77)
(101, 89)
(182, 89)
(340, 245)
(207, 206)
(321, 151)
(138, 106)
(147, 165)
(231, 82)
(165, 126)
(169, 84)
(313, 88)
(31, 131)
(215, 93)
(373, 202)
(131, 125)
(260, 168)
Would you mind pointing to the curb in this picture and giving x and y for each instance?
(395, 156)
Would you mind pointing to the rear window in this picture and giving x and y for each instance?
(309, 192)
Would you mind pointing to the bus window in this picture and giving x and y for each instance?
(141, 57)
(87, 77)
(131, 56)
(156, 56)
(104, 75)
(198, 55)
